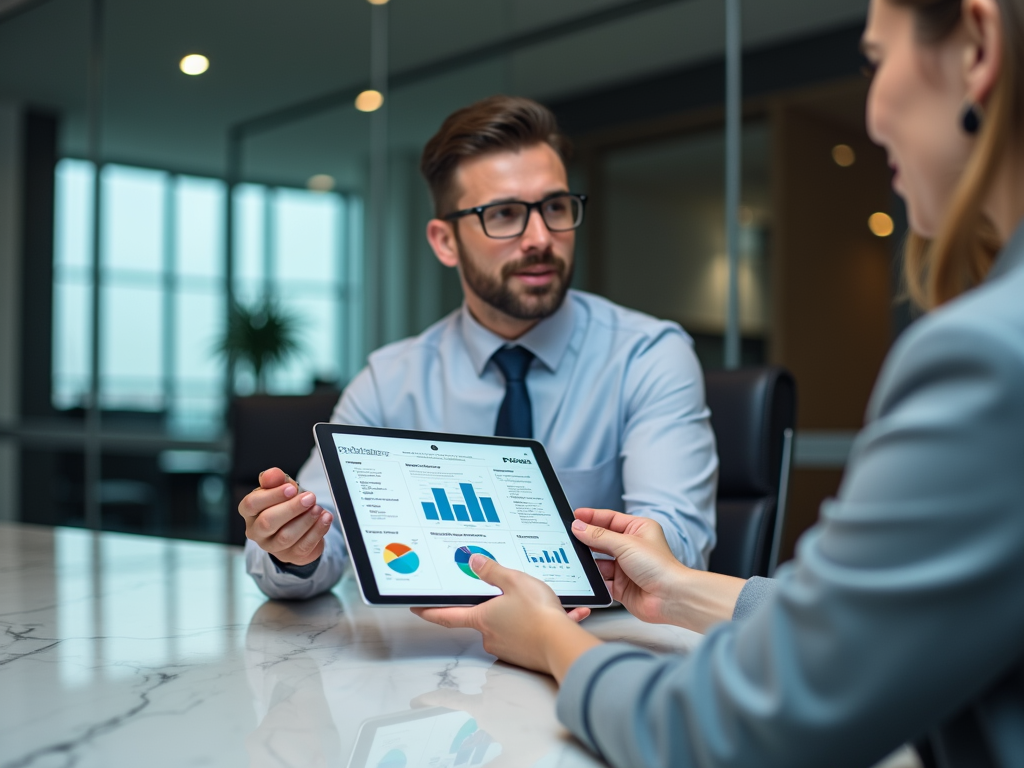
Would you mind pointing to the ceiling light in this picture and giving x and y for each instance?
(194, 64)
(369, 101)
(881, 224)
(844, 155)
(321, 182)
(377, 2)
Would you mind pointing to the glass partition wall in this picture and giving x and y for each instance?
(269, 207)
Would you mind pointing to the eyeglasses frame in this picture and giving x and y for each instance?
(530, 207)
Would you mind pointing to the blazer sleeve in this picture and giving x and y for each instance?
(903, 604)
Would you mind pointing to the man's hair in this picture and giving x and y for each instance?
(496, 124)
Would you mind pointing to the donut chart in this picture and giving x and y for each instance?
(401, 558)
(462, 555)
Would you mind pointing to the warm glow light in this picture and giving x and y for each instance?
(844, 155)
(369, 101)
(881, 224)
(377, 2)
(321, 182)
(194, 64)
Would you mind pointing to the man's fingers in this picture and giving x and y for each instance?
(607, 568)
(261, 499)
(276, 517)
(452, 618)
(302, 539)
(273, 477)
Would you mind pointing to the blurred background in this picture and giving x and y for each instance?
(244, 200)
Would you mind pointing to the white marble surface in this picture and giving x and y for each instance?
(121, 650)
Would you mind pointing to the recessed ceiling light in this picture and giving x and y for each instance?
(369, 101)
(844, 155)
(321, 182)
(881, 224)
(377, 2)
(194, 64)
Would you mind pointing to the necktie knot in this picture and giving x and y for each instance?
(514, 362)
(515, 417)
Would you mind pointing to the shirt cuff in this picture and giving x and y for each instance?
(755, 592)
(573, 706)
(302, 571)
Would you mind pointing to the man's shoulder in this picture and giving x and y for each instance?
(425, 343)
(624, 323)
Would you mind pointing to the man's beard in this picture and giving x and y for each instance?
(533, 302)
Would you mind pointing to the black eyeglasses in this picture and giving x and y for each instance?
(561, 212)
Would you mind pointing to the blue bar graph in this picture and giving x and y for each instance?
(469, 512)
(471, 501)
(442, 503)
(564, 558)
(547, 557)
(489, 511)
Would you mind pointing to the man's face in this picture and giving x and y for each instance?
(524, 277)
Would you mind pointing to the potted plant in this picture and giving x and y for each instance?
(263, 335)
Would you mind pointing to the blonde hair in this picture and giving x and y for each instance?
(965, 248)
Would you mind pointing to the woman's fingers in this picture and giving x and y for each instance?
(605, 518)
(578, 614)
(488, 570)
(606, 567)
(601, 539)
(452, 618)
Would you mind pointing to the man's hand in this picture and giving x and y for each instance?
(283, 520)
(646, 577)
(525, 625)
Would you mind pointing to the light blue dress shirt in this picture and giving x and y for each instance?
(618, 402)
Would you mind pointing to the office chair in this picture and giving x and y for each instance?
(753, 413)
(271, 431)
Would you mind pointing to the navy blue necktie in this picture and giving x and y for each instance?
(515, 417)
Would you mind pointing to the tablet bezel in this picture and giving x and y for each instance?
(352, 531)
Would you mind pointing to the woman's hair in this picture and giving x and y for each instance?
(967, 243)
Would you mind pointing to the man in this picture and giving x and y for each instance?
(616, 397)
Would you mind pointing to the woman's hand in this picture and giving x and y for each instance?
(646, 577)
(525, 625)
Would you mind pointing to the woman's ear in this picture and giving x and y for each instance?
(983, 57)
(441, 236)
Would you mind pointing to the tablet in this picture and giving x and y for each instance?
(434, 737)
(415, 506)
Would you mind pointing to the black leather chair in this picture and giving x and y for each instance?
(271, 431)
(753, 413)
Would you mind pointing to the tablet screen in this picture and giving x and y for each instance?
(424, 507)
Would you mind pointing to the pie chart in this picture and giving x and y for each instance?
(401, 559)
(462, 555)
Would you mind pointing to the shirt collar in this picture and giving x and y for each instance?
(547, 340)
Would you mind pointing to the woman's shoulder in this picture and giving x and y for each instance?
(977, 339)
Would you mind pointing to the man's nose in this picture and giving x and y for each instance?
(537, 235)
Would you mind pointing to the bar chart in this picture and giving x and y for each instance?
(476, 509)
(550, 557)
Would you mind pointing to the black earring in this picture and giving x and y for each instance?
(971, 118)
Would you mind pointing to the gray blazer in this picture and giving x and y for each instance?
(901, 618)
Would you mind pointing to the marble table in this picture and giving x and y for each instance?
(120, 650)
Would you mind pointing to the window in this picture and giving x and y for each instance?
(162, 288)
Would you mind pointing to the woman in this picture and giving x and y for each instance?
(902, 617)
